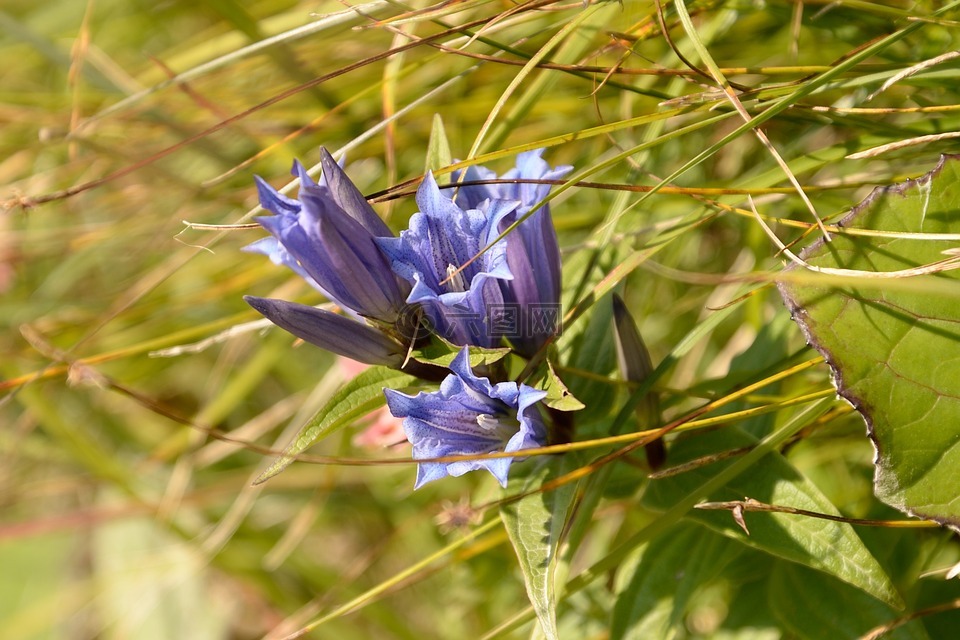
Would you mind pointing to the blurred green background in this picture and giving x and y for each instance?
(121, 517)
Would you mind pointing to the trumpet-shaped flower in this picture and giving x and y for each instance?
(443, 238)
(469, 416)
(328, 237)
(533, 254)
(332, 332)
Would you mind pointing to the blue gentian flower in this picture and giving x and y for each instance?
(327, 236)
(442, 238)
(469, 416)
(533, 254)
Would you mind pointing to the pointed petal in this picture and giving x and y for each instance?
(358, 272)
(499, 467)
(274, 201)
(300, 172)
(495, 264)
(428, 472)
(349, 198)
(278, 255)
(433, 203)
(400, 404)
(530, 166)
(412, 254)
(340, 256)
(471, 196)
(331, 331)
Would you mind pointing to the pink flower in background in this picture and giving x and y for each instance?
(384, 430)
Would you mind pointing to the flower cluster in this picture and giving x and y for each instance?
(448, 275)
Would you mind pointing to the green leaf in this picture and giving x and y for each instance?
(558, 396)
(438, 148)
(589, 347)
(798, 419)
(831, 547)
(633, 360)
(354, 400)
(441, 353)
(813, 607)
(658, 582)
(893, 345)
(534, 524)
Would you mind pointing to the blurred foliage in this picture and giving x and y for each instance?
(128, 357)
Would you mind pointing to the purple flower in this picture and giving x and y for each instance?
(533, 254)
(332, 332)
(468, 416)
(442, 238)
(327, 236)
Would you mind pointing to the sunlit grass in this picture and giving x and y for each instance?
(139, 404)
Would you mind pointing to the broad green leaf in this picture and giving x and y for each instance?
(812, 606)
(662, 523)
(558, 396)
(438, 148)
(589, 348)
(441, 353)
(748, 615)
(831, 547)
(894, 345)
(354, 400)
(656, 585)
(534, 524)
